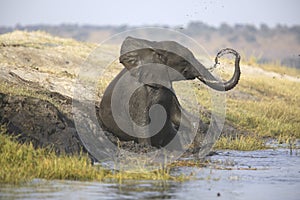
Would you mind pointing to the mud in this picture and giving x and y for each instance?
(39, 122)
(44, 125)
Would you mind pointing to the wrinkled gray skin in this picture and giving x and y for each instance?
(141, 57)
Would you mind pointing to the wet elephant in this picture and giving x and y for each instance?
(146, 83)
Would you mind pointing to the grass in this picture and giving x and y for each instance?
(43, 40)
(21, 162)
(23, 90)
(270, 108)
(240, 143)
(262, 105)
(276, 112)
(42, 52)
(272, 66)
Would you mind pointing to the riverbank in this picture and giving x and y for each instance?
(37, 76)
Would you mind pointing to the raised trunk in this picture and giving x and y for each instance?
(208, 79)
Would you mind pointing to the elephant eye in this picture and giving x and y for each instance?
(184, 63)
(161, 57)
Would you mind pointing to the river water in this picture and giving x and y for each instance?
(266, 174)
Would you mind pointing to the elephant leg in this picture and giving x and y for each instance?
(139, 114)
(188, 122)
(179, 116)
(173, 141)
(143, 137)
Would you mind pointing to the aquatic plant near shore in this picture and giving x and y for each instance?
(21, 162)
(241, 143)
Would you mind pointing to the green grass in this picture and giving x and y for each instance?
(272, 112)
(240, 143)
(269, 108)
(276, 112)
(23, 90)
(21, 162)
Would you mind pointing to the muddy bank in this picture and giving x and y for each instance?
(39, 122)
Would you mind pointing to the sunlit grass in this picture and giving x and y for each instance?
(21, 162)
(240, 143)
(23, 90)
(266, 106)
(274, 66)
(272, 110)
(276, 112)
(42, 52)
(43, 40)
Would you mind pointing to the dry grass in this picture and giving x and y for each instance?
(275, 112)
(273, 67)
(43, 40)
(42, 52)
(266, 106)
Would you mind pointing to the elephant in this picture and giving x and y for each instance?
(146, 83)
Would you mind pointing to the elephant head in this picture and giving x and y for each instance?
(181, 63)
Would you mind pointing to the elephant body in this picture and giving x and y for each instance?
(140, 103)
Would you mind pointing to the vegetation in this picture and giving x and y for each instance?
(263, 105)
(23, 90)
(21, 162)
(275, 112)
(274, 66)
(240, 143)
(265, 43)
(40, 51)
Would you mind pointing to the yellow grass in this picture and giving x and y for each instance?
(241, 143)
(21, 162)
(266, 106)
(275, 112)
(272, 110)
(272, 67)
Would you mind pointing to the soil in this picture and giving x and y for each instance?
(39, 122)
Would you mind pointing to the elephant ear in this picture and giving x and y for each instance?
(145, 62)
(153, 74)
(146, 65)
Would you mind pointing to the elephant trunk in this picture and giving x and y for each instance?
(208, 79)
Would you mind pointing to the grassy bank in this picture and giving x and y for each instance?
(21, 162)
(265, 105)
(274, 113)
(262, 106)
(240, 143)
